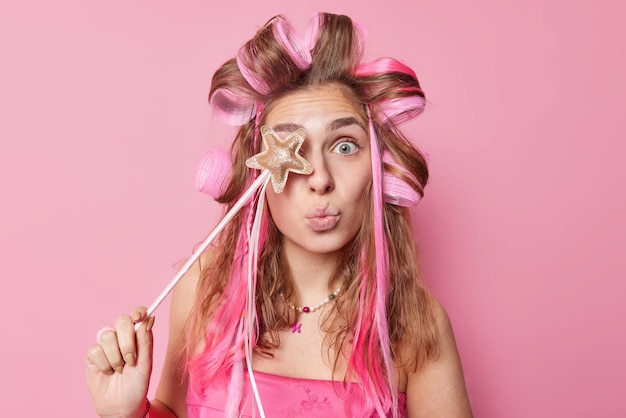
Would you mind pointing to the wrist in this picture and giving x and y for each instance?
(142, 411)
(146, 412)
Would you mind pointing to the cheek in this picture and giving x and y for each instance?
(358, 190)
(357, 185)
(273, 202)
(279, 206)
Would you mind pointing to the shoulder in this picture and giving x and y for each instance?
(184, 294)
(442, 320)
(437, 387)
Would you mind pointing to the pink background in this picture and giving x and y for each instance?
(104, 118)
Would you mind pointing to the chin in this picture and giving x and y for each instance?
(323, 244)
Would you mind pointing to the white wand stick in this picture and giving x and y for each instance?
(263, 177)
(277, 160)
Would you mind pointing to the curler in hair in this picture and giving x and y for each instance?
(231, 108)
(383, 66)
(213, 173)
(395, 190)
(251, 77)
(409, 101)
(400, 109)
(288, 37)
(313, 29)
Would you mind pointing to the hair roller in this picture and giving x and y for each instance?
(232, 108)
(213, 173)
(290, 40)
(403, 101)
(313, 29)
(253, 79)
(395, 190)
(400, 109)
(383, 66)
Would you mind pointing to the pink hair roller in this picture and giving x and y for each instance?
(400, 110)
(213, 173)
(253, 79)
(310, 37)
(383, 66)
(231, 108)
(286, 34)
(395, 190)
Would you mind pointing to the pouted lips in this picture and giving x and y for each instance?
(320, 220)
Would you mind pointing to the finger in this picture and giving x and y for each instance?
(139, 314)
(125, 328)
(144, 344)
(111, 348)
(95, 357)
(100, 331)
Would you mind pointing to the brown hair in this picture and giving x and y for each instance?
(409, 308)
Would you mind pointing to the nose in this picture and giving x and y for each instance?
(320, 180)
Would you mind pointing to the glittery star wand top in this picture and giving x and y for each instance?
(279, 157)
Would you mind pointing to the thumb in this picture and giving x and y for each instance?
(145, 345)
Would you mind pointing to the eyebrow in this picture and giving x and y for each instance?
(286, 127)
(334, 125)
(341, 122)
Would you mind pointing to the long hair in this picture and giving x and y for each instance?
(275, 62)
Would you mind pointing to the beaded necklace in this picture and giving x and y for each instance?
(296, 327)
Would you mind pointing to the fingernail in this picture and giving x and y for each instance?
(130, 359)
(119, 369)
(136, 316)
(149, 323)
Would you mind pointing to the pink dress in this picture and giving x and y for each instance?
(287, 397)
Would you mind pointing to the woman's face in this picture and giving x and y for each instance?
(321, 212)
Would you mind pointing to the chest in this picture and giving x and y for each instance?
(303, 353)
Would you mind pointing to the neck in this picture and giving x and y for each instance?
(311, 273)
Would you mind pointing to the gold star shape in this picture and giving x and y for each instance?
(280, 156)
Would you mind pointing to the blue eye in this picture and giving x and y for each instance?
(346, 148)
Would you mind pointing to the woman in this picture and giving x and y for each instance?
(317, 309)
